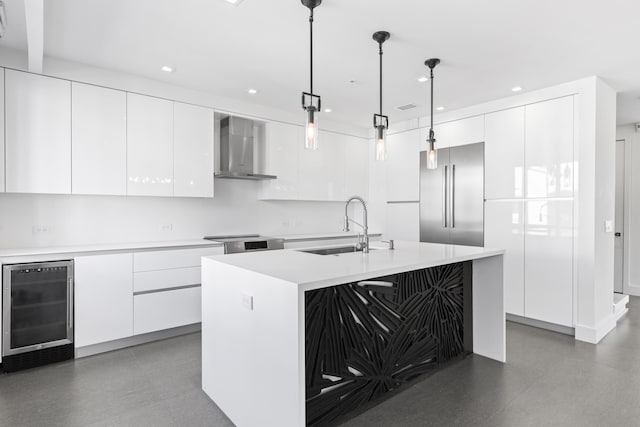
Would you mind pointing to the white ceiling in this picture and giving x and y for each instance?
(486, 48)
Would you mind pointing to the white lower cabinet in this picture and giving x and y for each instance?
(166, 309)
(103, 298)
(548, 261)
(403, 221)
(504, 229)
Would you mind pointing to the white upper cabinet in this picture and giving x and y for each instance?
(403, 166)
(458, 132)
(2, 130)
(335, 161)
(99, 131)
(549, 261)
(356, 176)
(149, 146)
(317, 166)
(549, 161)
(504, 154)
(504, 228)
(38, 133)
(281, 159)
(193, 150)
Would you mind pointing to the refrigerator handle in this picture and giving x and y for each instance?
(444, 196)
(453, 196)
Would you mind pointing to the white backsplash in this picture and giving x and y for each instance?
(38, 220)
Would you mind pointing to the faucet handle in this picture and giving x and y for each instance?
(359, 243)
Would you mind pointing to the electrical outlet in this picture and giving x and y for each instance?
(40, 229)
(167, 227)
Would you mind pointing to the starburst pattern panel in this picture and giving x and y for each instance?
(366, 339)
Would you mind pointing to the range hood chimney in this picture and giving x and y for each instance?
(237, 150)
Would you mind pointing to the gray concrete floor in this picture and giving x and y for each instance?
(549, 380)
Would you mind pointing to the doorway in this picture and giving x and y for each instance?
(618, 280)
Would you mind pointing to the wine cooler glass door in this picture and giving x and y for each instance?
(38, 304)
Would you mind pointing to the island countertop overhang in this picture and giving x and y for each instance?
(311, 271)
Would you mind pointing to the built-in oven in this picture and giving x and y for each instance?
(37, 309)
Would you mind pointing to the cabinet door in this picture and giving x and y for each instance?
(103, 298)
(403, 166)
(549, 149)
(504, 229)
(193, 150)
(403, 221)
(457, 132)
(167, 309)
(504, 154)
(281, 159)
(2, 133)
(38, 133)
(335, 160)
(149, 146)
(356, 176)
(99, 131)
(549, 261)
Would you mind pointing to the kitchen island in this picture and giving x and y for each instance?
(292, 338)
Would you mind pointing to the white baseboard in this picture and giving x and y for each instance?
(633, 290)
(594, 335)
(620, 302)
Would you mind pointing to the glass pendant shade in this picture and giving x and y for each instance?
(311, 129)
(432, 156)
(381, 143)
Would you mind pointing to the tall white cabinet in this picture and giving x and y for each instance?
(149, 146)
(99, 131)
(529, 206)
(38, 133)
(193, 150)
(281, 159)
(2, 188)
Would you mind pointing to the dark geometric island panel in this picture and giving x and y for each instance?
(366, 339)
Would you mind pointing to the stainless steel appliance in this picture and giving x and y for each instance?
(452, 196)
(237, 147)
(37, 314)
(248, 243)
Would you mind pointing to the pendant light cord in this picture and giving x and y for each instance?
(311, 49)
(380, 52)
(431, 128)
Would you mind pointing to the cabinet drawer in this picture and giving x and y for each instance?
(163, 279)
(177, 258)
(165, 310)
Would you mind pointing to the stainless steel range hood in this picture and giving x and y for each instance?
(237, 148)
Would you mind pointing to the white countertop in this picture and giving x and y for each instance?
(316, 271)
(110, 247)
(321, 236)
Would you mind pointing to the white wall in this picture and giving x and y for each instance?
(72, 220)
(631, 229)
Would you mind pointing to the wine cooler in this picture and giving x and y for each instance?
(37, 302)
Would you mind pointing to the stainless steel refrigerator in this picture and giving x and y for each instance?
(452, 196)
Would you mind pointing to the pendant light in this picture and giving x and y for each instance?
(310, 101)
(381, 122)
(432, 155)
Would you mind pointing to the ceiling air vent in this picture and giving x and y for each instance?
(406, 107)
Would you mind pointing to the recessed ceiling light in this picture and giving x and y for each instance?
(423, 79)
(328, 110)
(516, 89)
(252, 91)
(234, 2)
(167, 69)
(440, 108)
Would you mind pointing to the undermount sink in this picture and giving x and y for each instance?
(332, 251)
